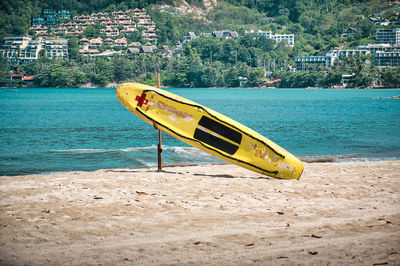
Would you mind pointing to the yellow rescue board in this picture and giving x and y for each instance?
(209, 131)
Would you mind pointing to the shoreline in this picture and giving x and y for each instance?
(339, 213)
(304, 159)
(114, 85)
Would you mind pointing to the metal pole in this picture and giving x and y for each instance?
(159, 146)
(159, 151)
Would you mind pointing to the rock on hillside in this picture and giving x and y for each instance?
(185, 8)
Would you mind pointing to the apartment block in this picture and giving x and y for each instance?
(390, 36)
(311, 62)
(386, 59)
(56, 48)
(22, 50)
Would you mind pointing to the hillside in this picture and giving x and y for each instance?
(329, 18)
(317, 27)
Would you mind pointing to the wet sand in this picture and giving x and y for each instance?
(338, 213)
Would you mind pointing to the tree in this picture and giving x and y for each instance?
(365, 28)
(73, 48)
(391, 77)
(255, 77)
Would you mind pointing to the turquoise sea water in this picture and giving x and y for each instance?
(51, 130)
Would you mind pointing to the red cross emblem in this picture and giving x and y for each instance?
(141, 100)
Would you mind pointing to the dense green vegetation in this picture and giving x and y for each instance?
(209, 62)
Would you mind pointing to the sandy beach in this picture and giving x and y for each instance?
(338, 213)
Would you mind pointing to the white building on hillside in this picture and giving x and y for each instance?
(277, 37)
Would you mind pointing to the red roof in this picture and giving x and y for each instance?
(123, 40)
(273, 80)
(28, 78)
(90, 51)
(95, 41)
(15, 75)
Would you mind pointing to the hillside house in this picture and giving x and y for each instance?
(289, 38)
(137, 12)
(225, 34)
(119, 13)
(102, 19)
(99, 15)
(83, 41)
(144, 18)
(147, 25)
(75, 33)
(59, 30)
(94, 43)
(190, 36)
(109, 42)
(349, 32)
(81, 18)
(110, 32)
(128, 31)
(14, 77)
(147, 49)
(133, 51)
(83, 26)
(88, 52)
(135, 44)
(120, 42)
(151, 37)
(108, 24)
(164, 50)
(41, 31)
(123, 20)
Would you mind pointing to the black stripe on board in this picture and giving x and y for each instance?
(220, 129)
(216, 142)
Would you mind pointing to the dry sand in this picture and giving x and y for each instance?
(338, 213)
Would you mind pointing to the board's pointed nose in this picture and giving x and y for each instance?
(121, 90)
(121, 93)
